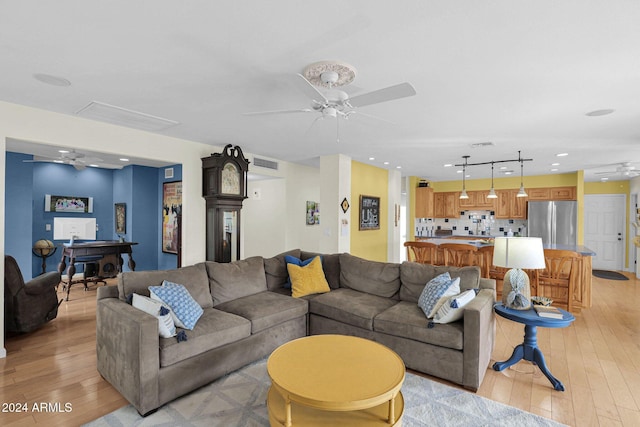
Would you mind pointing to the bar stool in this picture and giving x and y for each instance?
(422, 252)
(460, 254)
(560, 277)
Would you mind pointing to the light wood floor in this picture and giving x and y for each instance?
(597, 359)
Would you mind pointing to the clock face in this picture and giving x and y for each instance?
(230, 179)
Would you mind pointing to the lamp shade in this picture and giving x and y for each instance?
(518, 252)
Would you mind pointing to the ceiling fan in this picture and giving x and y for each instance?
(335, 103)
(623, 169)
(78, 160)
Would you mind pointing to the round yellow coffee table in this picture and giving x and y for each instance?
(335, 380)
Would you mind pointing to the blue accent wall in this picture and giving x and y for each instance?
(18, 203)
(65, 180)
(139, 187)
(145, 217)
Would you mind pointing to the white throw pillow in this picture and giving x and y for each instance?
(166, 326)
(453, 308)
(436, 292)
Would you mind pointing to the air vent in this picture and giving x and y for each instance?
(264, 163)
(121, 116)
(483, 145)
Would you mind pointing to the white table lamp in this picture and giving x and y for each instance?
(518, 253)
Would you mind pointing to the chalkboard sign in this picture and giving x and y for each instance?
(369, 213)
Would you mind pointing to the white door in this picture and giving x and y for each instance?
(604, 229)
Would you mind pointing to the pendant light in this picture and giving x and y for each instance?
(521, 192)
(492, 192)
(463, 194)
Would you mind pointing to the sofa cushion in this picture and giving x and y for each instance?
(266, 309)
(350, 307)
(214, 329)
(330, 265)
(373, 277)
(275, 269)
(185, 311)
(414, 276)
(193, 277)
(308, 279)
(237, 279)
(406, 320)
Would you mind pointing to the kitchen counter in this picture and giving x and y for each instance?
(582, 295)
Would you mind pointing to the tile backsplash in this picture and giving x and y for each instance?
(471, 223)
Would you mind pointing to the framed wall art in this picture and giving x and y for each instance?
(369, 215)
(120, 210)
(68, 204)
(171, 208)
(313, 213)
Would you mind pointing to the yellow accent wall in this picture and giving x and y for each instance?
(369, 181)
(536, 181)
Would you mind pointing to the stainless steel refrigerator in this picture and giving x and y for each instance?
(555, 222)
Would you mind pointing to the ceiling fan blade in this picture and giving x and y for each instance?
(259, 113)
(310, 90)
(390, 93)
(360, 113)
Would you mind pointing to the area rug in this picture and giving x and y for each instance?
(238, 400)
(610, 275)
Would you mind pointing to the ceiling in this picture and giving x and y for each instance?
(520, 75)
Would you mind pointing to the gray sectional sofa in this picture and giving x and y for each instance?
(248, 312)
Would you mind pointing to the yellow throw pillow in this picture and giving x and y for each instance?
(308, 280)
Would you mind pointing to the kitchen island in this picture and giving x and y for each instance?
(581, 294)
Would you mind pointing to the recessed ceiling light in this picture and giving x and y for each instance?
(94, 166)
(58, 161)
(398, 167)
(372, 158)
(467, 176)
(503, 167)
(555, 164)
(459, 171)
(63, 151)
(124, 160)
(562, 154)
(448, 165)
(602, 112)
(508, 172)
(52, 80)
(386, 163)
(554, 169)
(604, 179)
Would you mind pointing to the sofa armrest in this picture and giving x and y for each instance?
(479, 336)
(128, 349)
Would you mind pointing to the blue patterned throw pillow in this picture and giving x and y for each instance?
(436, 292)
(184, 309)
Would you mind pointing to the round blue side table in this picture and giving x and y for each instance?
(529, 350)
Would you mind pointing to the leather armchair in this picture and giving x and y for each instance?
(27, 306)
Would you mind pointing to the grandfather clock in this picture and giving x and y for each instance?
(224, 187)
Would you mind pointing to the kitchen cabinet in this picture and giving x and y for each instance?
(468, 204)
(563, 193)
(424, 202)
(446, 204)
(482, 203)
(552, 193)
(509, 206)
